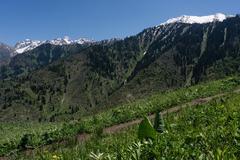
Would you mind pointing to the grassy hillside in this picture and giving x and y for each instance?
(209, 131)
(20, 136)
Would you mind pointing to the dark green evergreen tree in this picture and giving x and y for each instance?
(159, 123)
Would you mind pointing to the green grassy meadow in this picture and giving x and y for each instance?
(20, 136)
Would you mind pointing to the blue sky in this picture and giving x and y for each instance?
(96, 19)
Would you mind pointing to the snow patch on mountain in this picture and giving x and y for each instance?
(197, 19)
(28, 44)
(83, 41)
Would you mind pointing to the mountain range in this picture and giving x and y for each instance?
(7, 52)
(60, 81)
(28, 44)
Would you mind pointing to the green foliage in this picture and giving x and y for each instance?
(208, 131)
(25, 141)
(159, 122)
(98, 132)
(146, 130)
(46, 133)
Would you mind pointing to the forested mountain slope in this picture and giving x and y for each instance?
(52, 83)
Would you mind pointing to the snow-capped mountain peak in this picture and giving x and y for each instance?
(83, 41)
(27, 45)
(197, 19)
(60, 41)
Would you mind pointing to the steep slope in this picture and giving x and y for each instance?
(26, 46)
(5, 53)
(87, 79)
(74, 84)
(191, 53)
(37, 58)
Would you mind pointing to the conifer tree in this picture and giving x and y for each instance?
(159, 123)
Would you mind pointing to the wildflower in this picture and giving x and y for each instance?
(55, 157)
